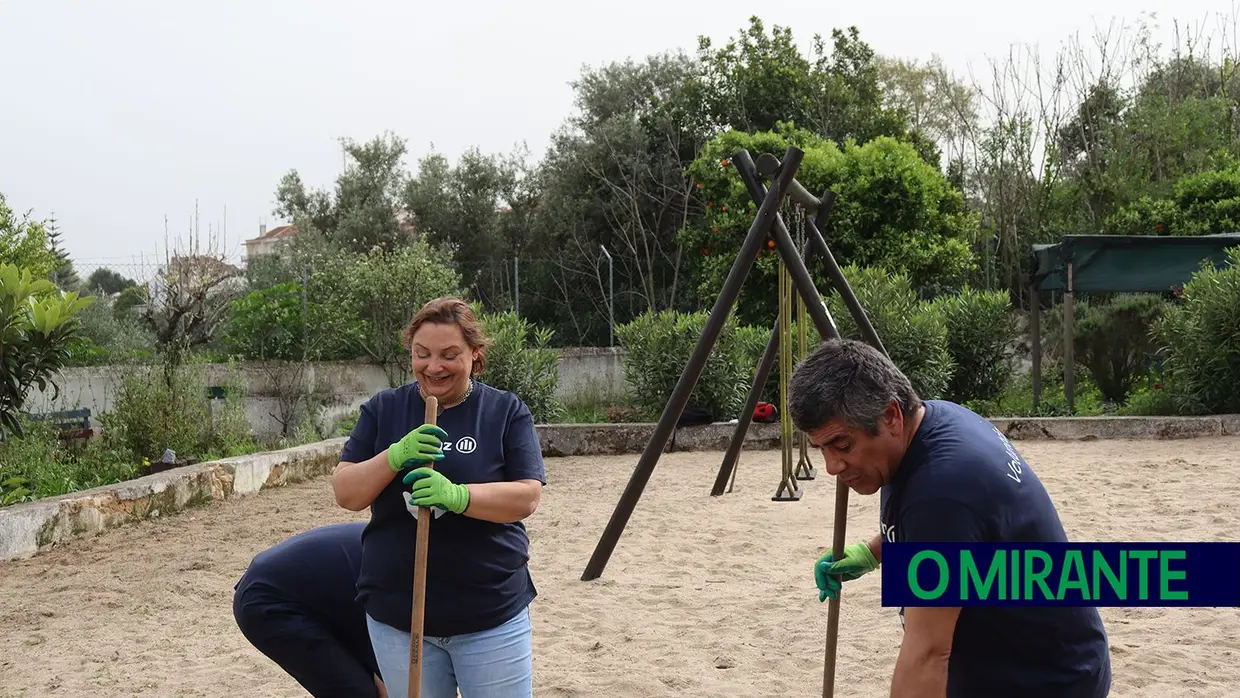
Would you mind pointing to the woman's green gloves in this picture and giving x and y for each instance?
(830, 574)
(422, 445)
(432, 489)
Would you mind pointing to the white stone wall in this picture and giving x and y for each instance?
(585, 370)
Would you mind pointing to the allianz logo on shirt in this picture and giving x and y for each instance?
(465, 444)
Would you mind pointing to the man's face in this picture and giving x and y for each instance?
(861, 460)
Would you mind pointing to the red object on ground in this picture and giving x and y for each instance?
(764, 412)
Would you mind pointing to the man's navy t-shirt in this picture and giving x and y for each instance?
(961, 480)
(477, 572)
(309, 572)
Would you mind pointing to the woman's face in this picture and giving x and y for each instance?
(442, 361)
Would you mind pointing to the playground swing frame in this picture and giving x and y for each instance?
(766, 220)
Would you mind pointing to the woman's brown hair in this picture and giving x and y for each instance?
(452, 311)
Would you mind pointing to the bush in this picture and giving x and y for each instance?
(279, 323)
(1017, 399)
(914, 332)
(521, 360)
(108, 337)
(1201, 341)
(1113, 341)
(39, 465)
(1149, 403)
(658, 347)
(156, 411)
(981, 332)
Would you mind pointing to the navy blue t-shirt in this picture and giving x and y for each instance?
(477, 571)
(962, 480)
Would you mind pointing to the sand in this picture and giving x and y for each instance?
(703, 596)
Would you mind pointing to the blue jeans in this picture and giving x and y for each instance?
(495, 663)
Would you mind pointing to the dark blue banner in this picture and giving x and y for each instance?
(1061, 574)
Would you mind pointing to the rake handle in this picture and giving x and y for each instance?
(419, 577)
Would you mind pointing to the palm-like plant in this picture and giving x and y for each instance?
(38, 324)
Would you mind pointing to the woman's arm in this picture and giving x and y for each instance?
(356, 485)
(503, 502)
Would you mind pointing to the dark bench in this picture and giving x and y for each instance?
(71, 424)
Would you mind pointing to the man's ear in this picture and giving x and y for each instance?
(893, 418)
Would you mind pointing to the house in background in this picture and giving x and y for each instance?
(268, 240)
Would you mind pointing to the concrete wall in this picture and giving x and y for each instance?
(583, 371)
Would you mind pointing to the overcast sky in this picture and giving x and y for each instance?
(115, 114)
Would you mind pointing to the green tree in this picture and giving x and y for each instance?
(24, 243)
(274, 324)
(892, 210)
(614, 179)
(108, 281)
(364, 210)
(478, 208)
(385, 289)
(755, 81)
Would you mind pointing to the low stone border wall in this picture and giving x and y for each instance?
(27, 528)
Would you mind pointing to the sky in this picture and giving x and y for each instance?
(116, 116)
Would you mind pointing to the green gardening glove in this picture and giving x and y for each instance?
(432, 489)
(422, 445)
(830, 575)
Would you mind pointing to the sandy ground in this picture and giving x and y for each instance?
(703, 596)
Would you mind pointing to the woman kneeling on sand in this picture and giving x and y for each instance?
(487, 477)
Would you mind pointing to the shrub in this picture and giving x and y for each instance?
(1201, 340)
(1113, 341)
(279, 323)
(1149, 403)
(155, 410)
(39, 465)
(658, 346)
(981, 332)
(521, 360)
(1017, 399)
(108, 337)
(914, 332)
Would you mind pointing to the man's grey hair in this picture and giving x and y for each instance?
(849, 380)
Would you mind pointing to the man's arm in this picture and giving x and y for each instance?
(921, 667)
(876, 548)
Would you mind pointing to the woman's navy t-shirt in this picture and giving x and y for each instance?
(477, 573)
(962, 481)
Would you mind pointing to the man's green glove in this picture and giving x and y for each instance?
(422, 445)
(830, 574)
(432, 489)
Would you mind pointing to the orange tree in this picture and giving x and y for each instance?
(892, 210)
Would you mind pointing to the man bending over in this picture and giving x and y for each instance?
(297, 604)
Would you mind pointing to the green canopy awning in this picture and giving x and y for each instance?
(1127, 263)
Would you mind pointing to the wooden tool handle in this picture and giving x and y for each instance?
(419, 577)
